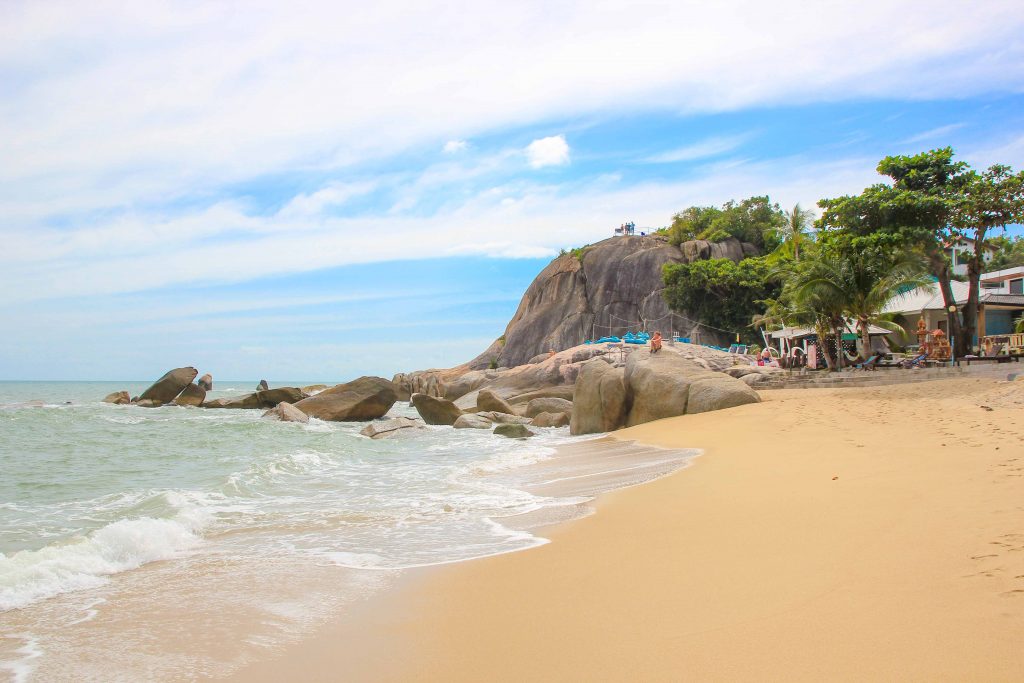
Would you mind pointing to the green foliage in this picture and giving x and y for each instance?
(720, 292)
(755, 220)
(1010, 254)
(493, 365)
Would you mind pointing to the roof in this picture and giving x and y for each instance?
(1002, 299)
(927, 298)
(797, 332)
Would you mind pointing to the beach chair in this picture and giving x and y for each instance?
(870, 363)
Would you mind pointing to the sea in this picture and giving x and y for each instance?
(183, 543)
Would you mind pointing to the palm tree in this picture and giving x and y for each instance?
(795, 230)
(860, 285)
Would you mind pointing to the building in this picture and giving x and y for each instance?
(959, 251)
(1000, 304)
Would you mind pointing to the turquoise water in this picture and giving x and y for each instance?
(104, 508)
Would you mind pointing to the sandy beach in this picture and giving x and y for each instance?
(850, 534)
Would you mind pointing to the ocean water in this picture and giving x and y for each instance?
(180, 543)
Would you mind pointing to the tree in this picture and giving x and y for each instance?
(755, 220)
(1010, 252)
(989, 200)
(859, 284)
(916, 212)
(794, 230)
(720, 292)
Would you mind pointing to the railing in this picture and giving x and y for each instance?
(1011, 341)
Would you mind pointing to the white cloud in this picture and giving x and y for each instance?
(711, 147)
(549, 151)
(934, 134)
(455, 146)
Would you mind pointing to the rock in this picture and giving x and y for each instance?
(471, 421)
(435, 411)
(245, 401)
(148, 403)
(548, 405)
(564, 391)
(599, 402)
(586, 295)
(739, 371)
(269, 398)
(514, 431)
(313, 389)
(286, 412)
(466, 383)
(551, 420)
(720, 392)
(505, 418)
(386, 429)
(118, 398)
(206, 382)
(755, 378)
(262, 386)
(366, 398)
(487, 400)
(167, 388)
(658, 386)
(192, 395)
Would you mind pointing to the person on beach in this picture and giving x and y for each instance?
(656, 342)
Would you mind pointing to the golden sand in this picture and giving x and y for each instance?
(851, 534)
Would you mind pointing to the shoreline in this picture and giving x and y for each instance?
(836, 534)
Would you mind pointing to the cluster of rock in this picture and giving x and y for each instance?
(366, 398)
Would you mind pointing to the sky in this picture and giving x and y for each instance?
(320, 190)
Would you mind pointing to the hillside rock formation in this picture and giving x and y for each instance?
(611, 287)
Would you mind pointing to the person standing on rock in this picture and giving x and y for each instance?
(656, 342)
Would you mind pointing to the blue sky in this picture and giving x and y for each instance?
(321, 190)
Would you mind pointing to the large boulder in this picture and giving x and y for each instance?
(716, 393)
(313, 389)
(435, 411)
(286, 412)
(505, 418)
(148, 403)
(366, 398)
(466, 383)
(514, 431)
(192, 395)
(167, 388)
(604, 288)
(548, 405)
(551, 420)
(118, 398)
(206, 382)
(243, 402)
(271, 397)
(262, 386)
(599, 402)
(386, 429)
(658, 385)
(487, 401)
(472, 421)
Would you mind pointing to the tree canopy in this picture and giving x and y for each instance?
(755, 219)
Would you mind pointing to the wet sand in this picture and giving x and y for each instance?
(852, 534)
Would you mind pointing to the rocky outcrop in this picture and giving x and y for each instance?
(167, 388)
(313, 389)
(505, 418)
(429, 382)
(262, 386)
(206, 382)
(487, 400)
(435, 411)
(599, 402)
(148, 403)
(548, 405)
(192, 395)
(366, 398)
(118, 398)
(286, 412)
(551, 420)
(271, 397)
(386, 429)
(514, 431)
(612, 286)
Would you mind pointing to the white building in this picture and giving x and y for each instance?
(959, 251)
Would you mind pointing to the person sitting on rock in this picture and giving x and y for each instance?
(656, 342)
